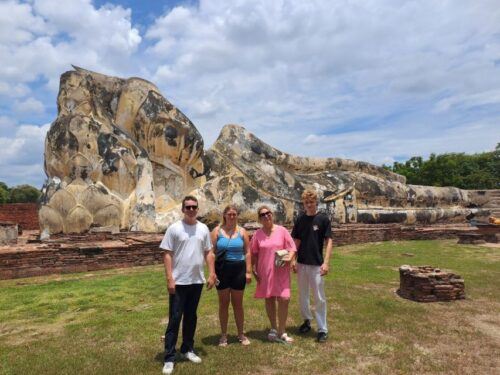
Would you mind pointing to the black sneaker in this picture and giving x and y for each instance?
(305, 327)
(322, 337)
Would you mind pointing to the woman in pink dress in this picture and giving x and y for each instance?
(273, 282)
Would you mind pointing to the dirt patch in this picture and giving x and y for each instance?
(468, 351)
(41, 280)
(488, 325)
(19, 332)
(492, 245)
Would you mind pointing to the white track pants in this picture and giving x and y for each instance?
(309, 279)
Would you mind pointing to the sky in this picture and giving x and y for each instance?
(372, 80)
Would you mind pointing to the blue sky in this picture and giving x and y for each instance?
(372, 80)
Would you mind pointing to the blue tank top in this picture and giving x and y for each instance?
(234, 246)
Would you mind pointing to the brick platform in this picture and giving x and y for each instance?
(429, 284)
(24, 214)
(67, 254)
(94, 251)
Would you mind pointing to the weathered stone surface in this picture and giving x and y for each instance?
(8, 233)
(244, 170)
(120, 155)
(117, 154)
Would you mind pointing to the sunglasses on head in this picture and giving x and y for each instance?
(267, 213)
(193, 208)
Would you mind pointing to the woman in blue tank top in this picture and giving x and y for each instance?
(233, 269)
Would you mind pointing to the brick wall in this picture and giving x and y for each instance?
(88, 252)
(24, 214)
(16, 264)
(356, 233)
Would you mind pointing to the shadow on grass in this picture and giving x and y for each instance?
(160, 356)
(253, 335)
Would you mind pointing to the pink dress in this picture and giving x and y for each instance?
(274, 281)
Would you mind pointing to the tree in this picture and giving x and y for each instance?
(4, 193)
(476, 171)
(24, 194)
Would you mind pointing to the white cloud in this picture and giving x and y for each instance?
(50, 35)
(14, 90)
(7, 126)
(24, 147)
(106, 29)
(366, 79)
(313, 139)
(18, 24)
(373, 145)
(469, 101)
(29, 106)
(322, 64)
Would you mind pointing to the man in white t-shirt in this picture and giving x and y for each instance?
(187, 244)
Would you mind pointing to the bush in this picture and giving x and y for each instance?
(476, 171)
(24, 194)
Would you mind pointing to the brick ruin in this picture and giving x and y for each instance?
(430, 284)
(26, 255)
(24, 214)
(95, 251)
(78, 253)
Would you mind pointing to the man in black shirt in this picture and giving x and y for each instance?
(310, 231)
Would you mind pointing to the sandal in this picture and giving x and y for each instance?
(272, 335)
(223, 341)
(286, 339)
(244, 340)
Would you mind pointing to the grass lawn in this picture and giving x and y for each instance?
(110, 322)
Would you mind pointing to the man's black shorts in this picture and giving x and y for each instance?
(232, 275)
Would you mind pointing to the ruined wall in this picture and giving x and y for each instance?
(97, 251)
(73, 256)
(24, 214)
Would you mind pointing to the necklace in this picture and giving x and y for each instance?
(230, 234)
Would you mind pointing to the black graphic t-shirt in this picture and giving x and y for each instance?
(311, 231)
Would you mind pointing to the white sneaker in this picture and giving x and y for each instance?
(190, 356)
(168, 368)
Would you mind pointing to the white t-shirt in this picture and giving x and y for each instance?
(188, 244)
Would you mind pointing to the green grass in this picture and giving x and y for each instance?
(110, 322)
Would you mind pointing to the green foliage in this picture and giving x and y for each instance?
(4, 193)
(476, 171)
(18, 194)
(24, 194)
